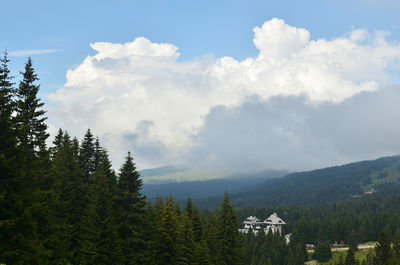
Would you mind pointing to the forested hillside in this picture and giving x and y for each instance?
(319, 186)
(213, 187)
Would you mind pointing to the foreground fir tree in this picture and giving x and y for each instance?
(10, 188)
(87, 156)
(66, 211)
(350, 258)
(228, 247)
(131, 213)
(396, 246)
(211, 236)
(383, 251)
(32, 223)
(323, 252)
(167, 234)
(185, 240)
(30, 115)
(99, 242)
(7, 130)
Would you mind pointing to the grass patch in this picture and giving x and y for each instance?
(360, 256)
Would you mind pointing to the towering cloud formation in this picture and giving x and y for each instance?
(139, 96)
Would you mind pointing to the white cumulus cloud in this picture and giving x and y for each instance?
(139, 96)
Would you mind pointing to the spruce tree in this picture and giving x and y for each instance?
(64, 170)
(10, 187)
(99, 242)
(7, 130)
(32, 215)
(189, 208)
(228, 244)
(131, 212)
(87, 156)
(323, 252)
(197, 225)
(201, 254)
(185, 241)
(396, 245)
(350, 258)
(211, 236)
(167, 234)
(30, 115)
(383, 250)
(298, 239)
(57, 144)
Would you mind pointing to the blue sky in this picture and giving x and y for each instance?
(260, 76)
(197, 27)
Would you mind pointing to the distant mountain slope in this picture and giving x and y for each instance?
(160, 171)
(171, 174)
(317, 186)
(196, 189)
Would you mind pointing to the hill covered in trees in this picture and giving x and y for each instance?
(319, 186)
(211, 187)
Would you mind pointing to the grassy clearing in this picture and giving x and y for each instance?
(361, 255)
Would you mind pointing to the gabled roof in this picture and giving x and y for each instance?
(252, 220)
(274, 220)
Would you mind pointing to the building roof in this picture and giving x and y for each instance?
(274, 220)
(252, 220)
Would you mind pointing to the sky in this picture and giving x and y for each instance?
(241, 85)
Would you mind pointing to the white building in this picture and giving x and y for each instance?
(252, 223)
(273, 223)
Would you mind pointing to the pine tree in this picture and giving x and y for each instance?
(201, 254)
(10, 187)
(323, 252)
(7, 130)
(350, 258)
(297, 239)
(30, 116)
(32, 217)
(189, 208)
(87, 156)
(228, 246)
(167, 233)
(131, 207)
(396, 245)
(185, 244)
(57, 144)
(299, 255)
(99, 242)
(211, 236)
(64, 170)
(196, 225)
(383, 250)
(150, 233)
(97, 153)
(340, 261)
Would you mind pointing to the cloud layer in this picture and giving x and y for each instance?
(32, 52)
(138, 96)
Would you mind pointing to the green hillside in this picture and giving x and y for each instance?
(172, 174)
(203, 188)
(319, 186)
